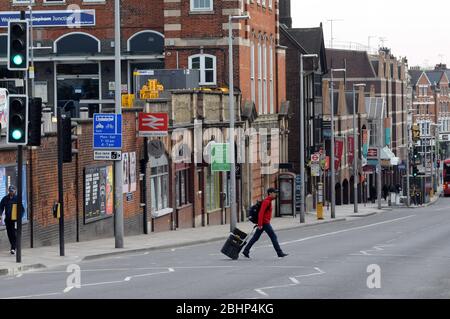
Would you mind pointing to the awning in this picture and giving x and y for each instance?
(388, 155)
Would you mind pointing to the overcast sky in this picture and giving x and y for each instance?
(418, 31)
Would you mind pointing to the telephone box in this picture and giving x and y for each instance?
(286, 200)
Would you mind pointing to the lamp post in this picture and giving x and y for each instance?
(233, 219)
(302, 136)
(333, 173)
(118, 170)
(355, 152)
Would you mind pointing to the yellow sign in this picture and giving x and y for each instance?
(151, 90)
(127, 100)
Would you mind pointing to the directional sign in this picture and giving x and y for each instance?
(108, 131)
(107, 155)
(153, 124)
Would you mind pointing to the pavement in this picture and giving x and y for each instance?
(48, 257)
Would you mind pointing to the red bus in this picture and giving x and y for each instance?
(447, 177)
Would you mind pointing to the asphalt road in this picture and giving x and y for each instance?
(403, 253)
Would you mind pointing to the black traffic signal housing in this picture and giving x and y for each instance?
(68, 137)
(17, 126)
(416, 157)
(34, 122)
(18, 45)
(415, 171)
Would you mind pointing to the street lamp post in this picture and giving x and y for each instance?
(233, 220)
(118, 170)
(302, 136)
(355, 152)
(333, 173)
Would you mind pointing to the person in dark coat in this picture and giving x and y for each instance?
(6, 206)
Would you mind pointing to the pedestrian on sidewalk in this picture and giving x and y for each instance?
(264, 217)
(6, 206)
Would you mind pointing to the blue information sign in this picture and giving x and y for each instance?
(55, 18)
(108, 131)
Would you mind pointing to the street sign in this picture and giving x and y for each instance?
(219, 158)
(153, 124)
(372, 153)
(108, 131)
(315, 158)
(107, 155)
(315, 170)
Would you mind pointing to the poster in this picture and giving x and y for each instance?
(98, 193)
(133, 172)
(350, 149)
(338, 150)
(126, 172)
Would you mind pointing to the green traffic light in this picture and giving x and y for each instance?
(17, 134)
(18, 59)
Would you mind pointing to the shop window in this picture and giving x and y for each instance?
(159, 183)
(212, 191)
(182, 187)
(207, 65)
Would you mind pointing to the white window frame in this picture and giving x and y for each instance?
(252, 71)
(203, 69)
(260, 92)
(209, 8)
(272, 93)
(156, 188)
(266, 100)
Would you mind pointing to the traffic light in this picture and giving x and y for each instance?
(17, 126)
(35, 122)
(68, 137)
(18, 45)
(415, 171)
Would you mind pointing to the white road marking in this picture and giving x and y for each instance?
(340, 231)
(19, 275)
(294, 279)
(32, 296)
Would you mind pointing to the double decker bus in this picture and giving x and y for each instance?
(447, 177)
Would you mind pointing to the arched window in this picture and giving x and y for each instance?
(206, 63)
(77, 43)
(147, 41)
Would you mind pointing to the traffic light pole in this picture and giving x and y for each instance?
(19, 204)
(60, 183)
(408, 158)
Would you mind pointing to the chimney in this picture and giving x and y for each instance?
(285, 13)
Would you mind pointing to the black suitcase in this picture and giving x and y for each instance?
(235, 242)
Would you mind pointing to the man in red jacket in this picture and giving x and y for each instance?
(264, 217)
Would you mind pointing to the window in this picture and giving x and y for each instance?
(159, 183)
(265, 78)
(207, 66)
(22, 1)
(260, 98)
(201, 5)
(182, 187)
(212, 191)
(252, 72)
(272, 97)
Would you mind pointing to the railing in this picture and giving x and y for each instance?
(348, 45)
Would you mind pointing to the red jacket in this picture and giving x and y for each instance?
(265, 213)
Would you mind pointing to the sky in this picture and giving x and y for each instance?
(419, 31)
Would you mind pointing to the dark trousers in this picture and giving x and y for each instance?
(11, 231)
(273, 237)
